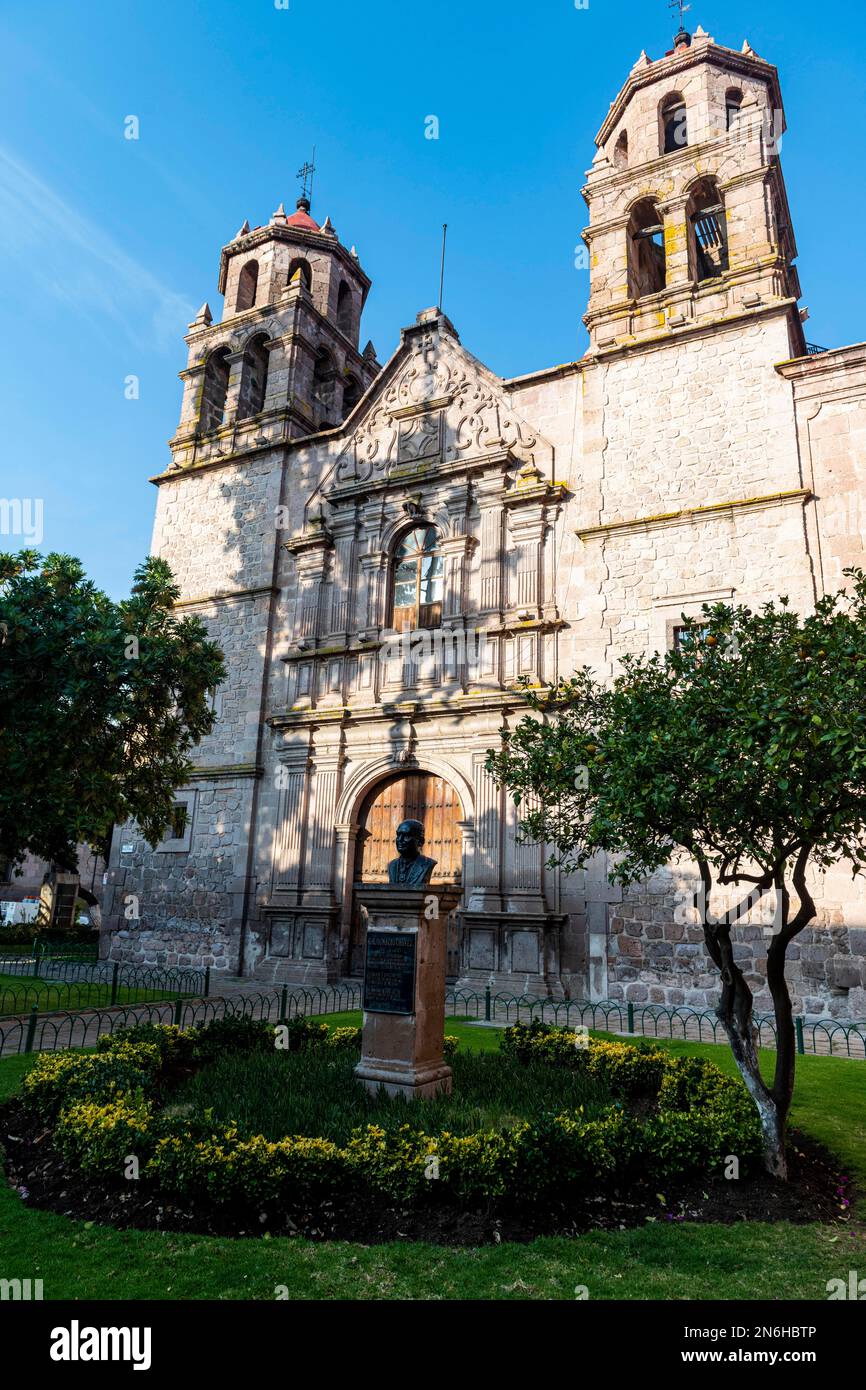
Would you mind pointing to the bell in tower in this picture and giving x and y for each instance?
(688, 214)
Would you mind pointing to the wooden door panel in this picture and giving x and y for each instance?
(414, 796)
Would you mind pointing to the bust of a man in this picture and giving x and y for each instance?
(411, 869)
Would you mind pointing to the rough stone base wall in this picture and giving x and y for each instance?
(183, 945)
(653, 959)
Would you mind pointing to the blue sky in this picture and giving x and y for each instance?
(109, 245)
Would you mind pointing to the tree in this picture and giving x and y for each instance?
(100, 703)
(744, 749)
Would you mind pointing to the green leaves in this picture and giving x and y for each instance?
(746, 743)
(100, 703)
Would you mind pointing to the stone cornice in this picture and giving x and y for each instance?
(225, 596)
(823, 363)
(472, 703)
(672, 65)
(671, 336)
(292, 236)
(226, 773)
(690, 514)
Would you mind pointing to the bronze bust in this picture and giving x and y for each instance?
(411, 869)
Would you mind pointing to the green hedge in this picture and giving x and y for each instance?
(103, 1107)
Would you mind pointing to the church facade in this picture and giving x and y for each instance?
(382, 551)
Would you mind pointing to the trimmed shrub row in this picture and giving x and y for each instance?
(103, 1106)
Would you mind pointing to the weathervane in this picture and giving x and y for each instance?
(306, 171)
(682, 7)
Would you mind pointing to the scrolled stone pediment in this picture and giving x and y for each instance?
(440, 405)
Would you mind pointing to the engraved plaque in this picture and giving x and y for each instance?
(389, 973)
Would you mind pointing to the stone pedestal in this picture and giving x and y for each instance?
(402, 1047)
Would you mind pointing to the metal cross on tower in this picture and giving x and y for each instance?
(305, 173)
(682, 7)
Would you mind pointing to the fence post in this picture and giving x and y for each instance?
(36, 957)
(31, 1028)
(178, 1012)
(631, 1018)
(114, 983)
(801, 1042)
(206, 981)
(487, 1013)
(284, 1003)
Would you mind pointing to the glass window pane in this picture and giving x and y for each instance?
(404, 594)
(431, 589)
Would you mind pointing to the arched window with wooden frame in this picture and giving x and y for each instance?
(418, 581)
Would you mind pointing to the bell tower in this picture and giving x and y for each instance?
(283, 361)
(688, 215)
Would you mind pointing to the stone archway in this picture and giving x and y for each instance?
(423, 796)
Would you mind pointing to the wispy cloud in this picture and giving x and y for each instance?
(71, 258)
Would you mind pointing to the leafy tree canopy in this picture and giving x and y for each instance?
(745, 748)
(100, 703)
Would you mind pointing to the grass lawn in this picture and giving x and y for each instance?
(78, 1260)
(19, 992)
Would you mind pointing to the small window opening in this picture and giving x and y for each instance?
(345, 309)
(733, 106)
(254, 378)
(647, 270)
(301, 267)
(675, 126)
(620, 151)
(248, 283)
(214, 390)
(352, 393)
(709, 232)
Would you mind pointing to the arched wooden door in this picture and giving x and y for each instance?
(415, 796)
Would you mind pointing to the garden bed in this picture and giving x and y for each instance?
(538, 1140)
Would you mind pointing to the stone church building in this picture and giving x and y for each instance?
(382, 551)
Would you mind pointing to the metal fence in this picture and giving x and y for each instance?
(48, 1032)
(824, 1036)
(65, 983)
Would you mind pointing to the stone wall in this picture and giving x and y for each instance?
(178, 945)
(657, 958)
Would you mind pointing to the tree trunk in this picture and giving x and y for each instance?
(736, 1014)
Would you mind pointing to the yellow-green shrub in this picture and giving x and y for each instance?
(98, 1138)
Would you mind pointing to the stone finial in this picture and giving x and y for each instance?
(354, 252)
(642, 62)
(369, 352)
(748, 49)
(242, 231)
(702, 35)
(327, 228)
(204, 317)
(279, 215)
